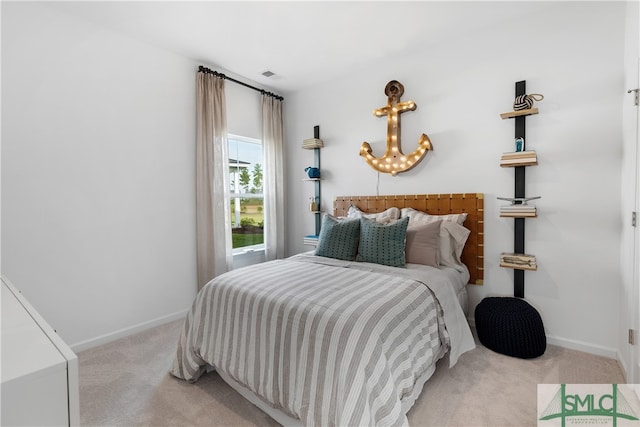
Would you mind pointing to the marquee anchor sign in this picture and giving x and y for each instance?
(394, 160)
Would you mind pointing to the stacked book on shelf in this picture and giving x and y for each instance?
(311, 240)
(518, 261)
(519, 158)
(312, 143)
(518, 210)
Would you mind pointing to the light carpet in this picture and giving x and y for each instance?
(126, 383)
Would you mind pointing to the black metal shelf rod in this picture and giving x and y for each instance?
(519, 190)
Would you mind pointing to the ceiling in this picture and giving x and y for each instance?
(303, 42)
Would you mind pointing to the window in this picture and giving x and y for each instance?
(247, 200)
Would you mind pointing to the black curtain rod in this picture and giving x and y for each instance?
(206, 70)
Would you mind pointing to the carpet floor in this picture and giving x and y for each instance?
(126, 383)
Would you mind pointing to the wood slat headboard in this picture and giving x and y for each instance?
(434, 204)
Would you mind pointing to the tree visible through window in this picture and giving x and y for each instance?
(247, 200)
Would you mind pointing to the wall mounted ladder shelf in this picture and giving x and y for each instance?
(315, 144)
(518, 260)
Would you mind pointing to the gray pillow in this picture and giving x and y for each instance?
(423, 241)
(338, 238)
(382, 243)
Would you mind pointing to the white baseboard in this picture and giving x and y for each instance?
(112, 336)
(598, 350)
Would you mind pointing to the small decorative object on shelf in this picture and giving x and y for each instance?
(525, 102)
(519, 144)
(521, 201)
(313, 206)
(312, 172)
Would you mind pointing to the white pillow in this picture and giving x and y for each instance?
(415, 215)
(452, 239)
(385, 217)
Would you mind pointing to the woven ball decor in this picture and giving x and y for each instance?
(510, 326)
(523, 102)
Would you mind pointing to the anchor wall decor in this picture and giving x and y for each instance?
(394, 160)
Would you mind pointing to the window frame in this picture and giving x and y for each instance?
(241, 195)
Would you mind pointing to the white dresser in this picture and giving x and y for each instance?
(39, 371)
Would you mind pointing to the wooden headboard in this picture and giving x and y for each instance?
(434, 204)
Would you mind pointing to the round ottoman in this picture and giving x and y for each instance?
(510, 326)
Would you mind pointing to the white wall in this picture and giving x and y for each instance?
(97, 174)
(98, 169)
(573, 55)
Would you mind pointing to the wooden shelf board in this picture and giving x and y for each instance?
(513, 165)
(518, 268)
(512, 114)
(515, 215)
(311, 179)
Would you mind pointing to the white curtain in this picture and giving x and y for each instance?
(213, 233)
(273, 143)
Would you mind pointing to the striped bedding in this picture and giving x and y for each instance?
(327, 342)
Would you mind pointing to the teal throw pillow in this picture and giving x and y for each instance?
(383, 243)
(338, 238)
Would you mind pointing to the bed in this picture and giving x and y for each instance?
(324, 338)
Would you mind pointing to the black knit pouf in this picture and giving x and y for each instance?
(510, 326)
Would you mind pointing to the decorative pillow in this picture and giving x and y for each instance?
(415, 215)
(423, 242)
(382, 243)
(452, 239)
(387, 216)
(338, 238)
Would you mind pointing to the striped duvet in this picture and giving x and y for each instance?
(324, 343)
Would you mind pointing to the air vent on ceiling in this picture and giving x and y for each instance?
(268, 73)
